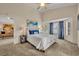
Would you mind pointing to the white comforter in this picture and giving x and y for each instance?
(42, 41)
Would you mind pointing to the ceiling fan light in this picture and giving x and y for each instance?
(42, 4)
(8, 17)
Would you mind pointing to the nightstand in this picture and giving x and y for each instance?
(23, 38)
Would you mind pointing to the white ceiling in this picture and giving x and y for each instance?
(50, 6)
(34, 6)
(58, 5)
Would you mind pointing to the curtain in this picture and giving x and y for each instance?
(61, 30)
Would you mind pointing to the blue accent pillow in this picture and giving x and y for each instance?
(33, 31)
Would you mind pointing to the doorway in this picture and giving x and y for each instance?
(7, 27)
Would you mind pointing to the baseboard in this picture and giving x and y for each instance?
(70, 42)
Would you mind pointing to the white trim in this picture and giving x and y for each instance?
(62, 19)
(57, 20)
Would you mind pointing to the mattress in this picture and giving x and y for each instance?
(41, 41)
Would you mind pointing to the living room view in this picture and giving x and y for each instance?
(39, 29)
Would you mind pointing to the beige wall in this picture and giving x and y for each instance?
(70, 11)
(20, 13)
(78, 26)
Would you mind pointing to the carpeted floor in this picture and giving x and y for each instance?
(61, 48)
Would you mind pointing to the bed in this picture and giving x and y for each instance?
(41, 41)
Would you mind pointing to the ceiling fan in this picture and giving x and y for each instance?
(42, 7)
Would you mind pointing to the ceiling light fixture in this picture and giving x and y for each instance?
(42, 4)
(8, 17)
